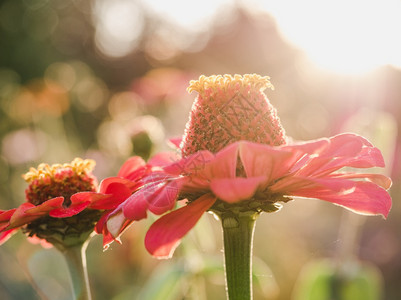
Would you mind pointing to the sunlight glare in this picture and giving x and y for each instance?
(349, 37)
(118, 25)
(190, 15)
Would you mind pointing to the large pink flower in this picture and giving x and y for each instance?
(236, 158)
(64, 203)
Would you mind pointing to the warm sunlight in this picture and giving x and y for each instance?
(349, 37)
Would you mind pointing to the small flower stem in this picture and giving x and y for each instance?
(76, 262)
(238, 240)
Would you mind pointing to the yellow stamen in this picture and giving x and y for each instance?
(227, 81)
(78, 165)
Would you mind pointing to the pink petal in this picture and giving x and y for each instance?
(224, 164)
(136, 206)
(165, 197)
(132, 168)
(193, 164)
(236, 189)
(294, 183)
(368, 158)
(156, 197)
(344, 145)
(176, 142)
(38, 241)
(163, 159)
(379, 179)
(264, 160)
(367, 198)
(345, 150)
(165, 234)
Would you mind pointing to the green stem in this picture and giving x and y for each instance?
(76, 262)
(238, 240)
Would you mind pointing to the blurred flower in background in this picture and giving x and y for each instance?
(105, 79)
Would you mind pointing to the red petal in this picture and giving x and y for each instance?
(79, 202)
(5, 235)
(97, 200)
(136, 206)
(5, 216)
(367, 198)
(27, 212)
(131, 167)
(165, 234)
(112, 226)
(110, 185)
(236, 189)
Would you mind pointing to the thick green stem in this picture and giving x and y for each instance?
(76, 261)
(238, 240)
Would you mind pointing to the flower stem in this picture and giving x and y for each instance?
(238, 239)
(76, 262)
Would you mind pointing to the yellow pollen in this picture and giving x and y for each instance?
(226, 81)
(78, 166)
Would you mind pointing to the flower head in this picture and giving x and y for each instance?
(228, 109)
(63, 203)
(242, 163)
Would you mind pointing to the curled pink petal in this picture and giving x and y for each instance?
(236, 189)
(264, 160)
(115, 225)
(165, 234)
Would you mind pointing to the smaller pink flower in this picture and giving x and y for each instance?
(142, 174)
(64, 203)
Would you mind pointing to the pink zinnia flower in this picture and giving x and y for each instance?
(236, 159)
(63, 203)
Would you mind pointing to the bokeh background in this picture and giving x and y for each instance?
(106, 79)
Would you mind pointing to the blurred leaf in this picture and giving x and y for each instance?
(264, 280)
(323, 280)
(50, 274)
(165, 283)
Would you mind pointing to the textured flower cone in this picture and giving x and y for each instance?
(228, 109)
(47, 182)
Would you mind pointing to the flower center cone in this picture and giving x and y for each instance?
(228, 109)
